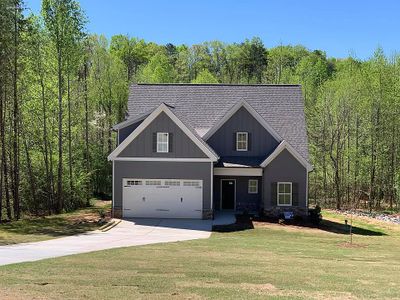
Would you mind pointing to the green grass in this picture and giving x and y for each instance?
(32, 229)
(270, 261)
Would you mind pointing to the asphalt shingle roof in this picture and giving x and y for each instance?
(202, 105)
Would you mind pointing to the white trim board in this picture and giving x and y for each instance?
(238, 171)
(282, 146)
(162, 108)
(158, 159)
(252, 111)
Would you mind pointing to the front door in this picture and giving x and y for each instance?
(228, 194)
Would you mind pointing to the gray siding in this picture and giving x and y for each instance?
(161, 170)
(142, 145)
(285, 168)
(124, 132)
(222, 141)
(244, 200)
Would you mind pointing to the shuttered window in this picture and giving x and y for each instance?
(162, 142)
(241, 141)
(284, 194)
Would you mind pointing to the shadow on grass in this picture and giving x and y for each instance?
(246, 223)
(242, 223)
(341, 228)
(54, 226)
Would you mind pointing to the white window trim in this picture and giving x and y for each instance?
(256, 186)
(277, 193)
(237, 140)
(159, 143)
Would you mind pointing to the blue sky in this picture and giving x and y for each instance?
(338, 27)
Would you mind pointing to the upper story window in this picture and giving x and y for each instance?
(242, 141)
(162, 142)
(284, 193)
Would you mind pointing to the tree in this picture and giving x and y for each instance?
(205, 76)
(158, 70)
(65, 21)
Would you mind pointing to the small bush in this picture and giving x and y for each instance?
(314, 215)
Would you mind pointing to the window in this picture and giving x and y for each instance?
(162, 142)
(153, 182)
(241, 141)
(134, 182)
(172, 183)
(253, 186)
(191, 183)
(284, 193)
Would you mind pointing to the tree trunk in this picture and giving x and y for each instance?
(16, 122)
(49, 180)
(87, 157)
(60, 202)
(357, 162)
(32, 180)
(69, 136)
(4, 155)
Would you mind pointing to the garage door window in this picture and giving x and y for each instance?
(162, 142)
(172, 183)
(134, 182)
(191, 183)
(153, 182)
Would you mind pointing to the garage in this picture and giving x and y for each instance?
(162, 198)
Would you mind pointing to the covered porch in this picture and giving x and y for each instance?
(237, 184)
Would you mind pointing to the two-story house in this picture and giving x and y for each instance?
(187, 150)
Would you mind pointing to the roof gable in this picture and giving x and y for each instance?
(282, 146)
(252, 112)
(164, 108)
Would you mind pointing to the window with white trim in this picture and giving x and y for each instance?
(253, 186)
(162, 142)
(241, 141)
(284, 190)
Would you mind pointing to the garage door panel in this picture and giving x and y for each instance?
(162, 198)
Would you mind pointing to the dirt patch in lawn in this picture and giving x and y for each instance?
(87, 217)
(290, 227)
(263, 288)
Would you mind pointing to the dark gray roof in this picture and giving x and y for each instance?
(202, 105)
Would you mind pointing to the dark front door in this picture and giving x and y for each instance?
(228, 194)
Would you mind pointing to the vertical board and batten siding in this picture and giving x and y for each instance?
(161, 170)
(244, 200)
(285, 168)
(261, 142)
(143, 145)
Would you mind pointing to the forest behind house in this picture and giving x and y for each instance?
(62, 89)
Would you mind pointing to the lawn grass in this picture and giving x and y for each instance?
(270, 261)
(33, 229)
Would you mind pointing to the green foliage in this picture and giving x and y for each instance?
(205, 76)
(158, 70)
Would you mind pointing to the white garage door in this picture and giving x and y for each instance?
(162, 198)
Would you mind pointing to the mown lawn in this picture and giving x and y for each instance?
(271, 261)
(32, 229)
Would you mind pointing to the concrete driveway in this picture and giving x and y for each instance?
(127, 233)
